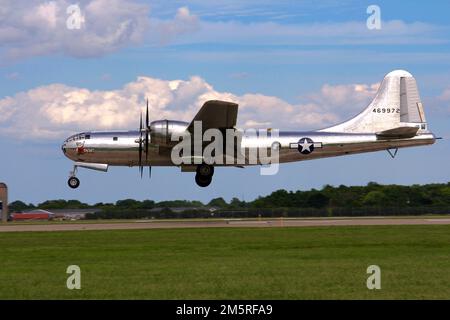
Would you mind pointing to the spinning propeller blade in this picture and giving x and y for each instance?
(147, 129)
(140, 146)
(141, 141)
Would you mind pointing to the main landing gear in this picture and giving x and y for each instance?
(204, 175)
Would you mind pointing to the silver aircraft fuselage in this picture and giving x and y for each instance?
(120, 148)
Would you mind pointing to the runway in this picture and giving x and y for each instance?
(231, 223)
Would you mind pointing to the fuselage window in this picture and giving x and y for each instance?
(115, 138)
(88, 136)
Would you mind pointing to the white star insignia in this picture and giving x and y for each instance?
(306, 145)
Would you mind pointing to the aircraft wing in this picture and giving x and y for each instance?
(216, 114)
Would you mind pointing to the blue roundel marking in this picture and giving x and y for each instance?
(305, 146)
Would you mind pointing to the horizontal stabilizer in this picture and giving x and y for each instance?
(398, 133)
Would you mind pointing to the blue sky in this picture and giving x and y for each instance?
(308, 56)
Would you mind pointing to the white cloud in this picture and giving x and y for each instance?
(442, 102)
(344, 98)
(57, 110)
(445, 95)
(30, 28)
(320, 33)
(163, 32)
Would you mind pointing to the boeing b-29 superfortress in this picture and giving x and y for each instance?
(394, 119)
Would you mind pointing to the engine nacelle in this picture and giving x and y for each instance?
(161, 131)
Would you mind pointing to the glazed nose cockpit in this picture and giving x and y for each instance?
(70, 145)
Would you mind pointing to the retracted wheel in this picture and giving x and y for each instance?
(73, 182)
(203, 181)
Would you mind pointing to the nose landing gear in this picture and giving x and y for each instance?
(204, 175)
(73, 181)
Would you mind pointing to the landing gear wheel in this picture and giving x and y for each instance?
(73, 182)
(203, 181)
(205, 170)
(204, 175)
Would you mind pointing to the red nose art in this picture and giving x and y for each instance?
(80, 150)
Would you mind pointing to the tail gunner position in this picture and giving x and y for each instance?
(394, 119)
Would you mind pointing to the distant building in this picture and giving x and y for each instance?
(182, 209)
(37, 214)
(4, 201)
(57, 214)
(73, 214)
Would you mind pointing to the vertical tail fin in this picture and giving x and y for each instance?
(395, 110)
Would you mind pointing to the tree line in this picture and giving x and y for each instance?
(372, 199)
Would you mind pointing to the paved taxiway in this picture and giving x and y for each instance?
(145, 224)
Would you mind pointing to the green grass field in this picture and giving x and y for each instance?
(229, 263)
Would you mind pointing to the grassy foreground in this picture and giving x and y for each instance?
(233, 263)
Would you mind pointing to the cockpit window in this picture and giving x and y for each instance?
(79, 136)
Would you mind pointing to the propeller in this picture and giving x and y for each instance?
(147, 131)
(140, 146)
(147, 126)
